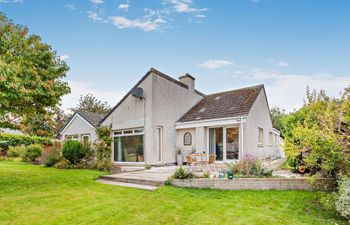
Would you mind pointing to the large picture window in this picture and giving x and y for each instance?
(128, 146)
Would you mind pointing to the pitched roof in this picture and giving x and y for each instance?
(93, 118)
(140, 81)
(224, 104)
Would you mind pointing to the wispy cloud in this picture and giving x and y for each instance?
(82, 88)
(200, 16)
(11, 1)
(214, 64)
(97, 1)
(184, 6)
(95, 17)
(64, 57)
(279, 63)
(124, 6)
(146, 25)
(70, 6)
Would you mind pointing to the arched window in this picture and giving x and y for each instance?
(187, 138)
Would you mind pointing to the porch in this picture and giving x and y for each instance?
(223, 138)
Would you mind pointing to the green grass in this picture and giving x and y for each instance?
(38, 195)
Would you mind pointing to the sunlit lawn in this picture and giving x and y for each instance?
(38, 195)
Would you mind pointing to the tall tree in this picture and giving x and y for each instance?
(91, 104)
(277, 115)
(30, 75)
(46, 125)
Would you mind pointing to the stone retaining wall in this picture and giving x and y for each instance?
(246, 183)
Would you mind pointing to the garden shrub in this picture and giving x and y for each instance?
(249, 166)
(15, 151)
(182, 173)
(33, 152)
(7, 140)
(73, 151)
(103, 148)
(342, 199)
(52, 158)
(63, 164)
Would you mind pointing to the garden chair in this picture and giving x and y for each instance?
(191, 161)
(211, 162)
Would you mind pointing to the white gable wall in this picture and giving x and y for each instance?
(171, 102)
(163, 104)
(79, 126)
(259, 117)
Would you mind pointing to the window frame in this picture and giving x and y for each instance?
(189, 141)
(260, 137)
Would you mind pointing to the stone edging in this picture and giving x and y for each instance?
(246, 183)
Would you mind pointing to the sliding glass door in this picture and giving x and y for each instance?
(224, 143)
(216, 144)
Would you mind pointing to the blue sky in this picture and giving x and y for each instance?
(225, 44)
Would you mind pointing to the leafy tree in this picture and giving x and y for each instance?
(91, 104)
(44, 125)
(321, 130)
(277, 115)
(30, 75)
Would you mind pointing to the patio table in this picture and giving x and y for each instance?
(201, 158)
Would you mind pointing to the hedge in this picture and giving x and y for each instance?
(7, 140)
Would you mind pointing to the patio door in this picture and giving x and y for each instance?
(224, 143)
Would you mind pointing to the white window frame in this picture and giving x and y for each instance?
(85, 135)
(72, 137)
(125, 133)
(271, 138)
(260, 141)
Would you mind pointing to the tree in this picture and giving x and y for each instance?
(277, 115)
(45, 125)
(30, 75)
(322, 131)
(91, 104)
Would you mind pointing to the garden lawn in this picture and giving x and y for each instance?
(37, 195)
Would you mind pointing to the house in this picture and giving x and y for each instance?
(81, 126)
(160, 113)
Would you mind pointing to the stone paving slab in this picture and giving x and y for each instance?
(132, 185)
(155, 176)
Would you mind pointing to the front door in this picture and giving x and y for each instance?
(224, 143)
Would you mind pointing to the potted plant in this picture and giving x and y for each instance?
(230, 174)
(179, 159)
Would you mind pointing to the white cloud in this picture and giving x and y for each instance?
(97, 1)
(64, 57)
(279, 63)
(95, 17)
(70, 6)
(11, 1)
(82, 88)
(214, 64)
(282, 64)
(124, 6)
(288, 90)
(143, 24)
(200, 16)
(184, 6)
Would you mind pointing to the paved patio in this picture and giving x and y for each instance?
(156, 176)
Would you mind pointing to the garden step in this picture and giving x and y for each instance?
(132, 185)
(134, 180)
(126, 169)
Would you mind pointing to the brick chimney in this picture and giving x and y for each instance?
(188, 80)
